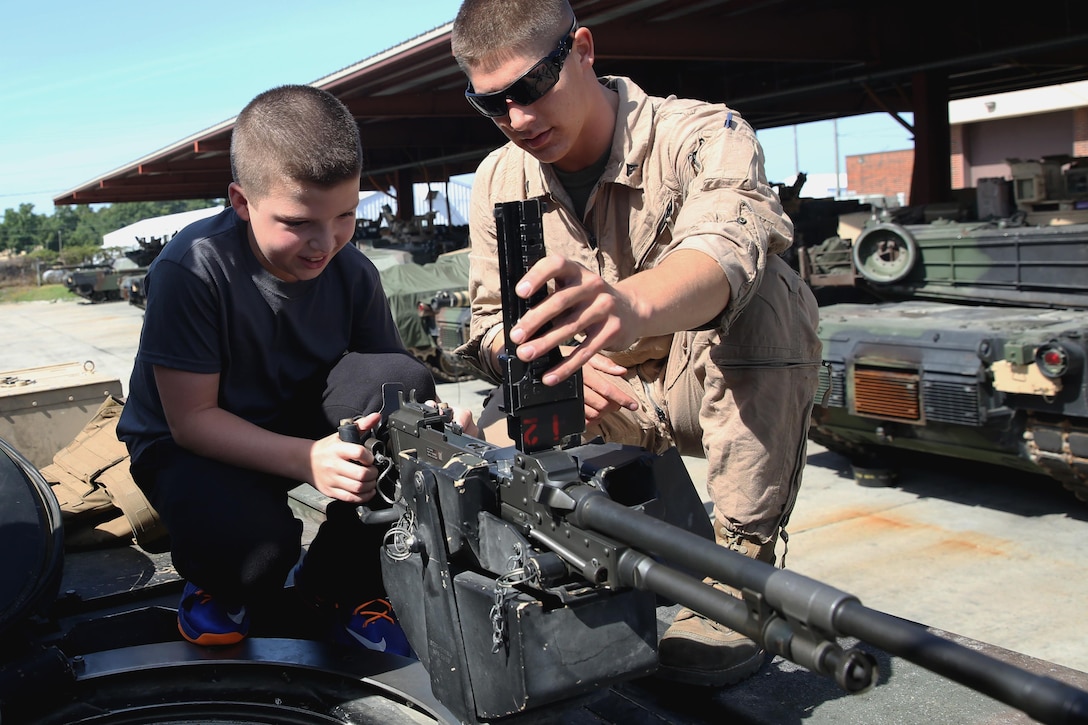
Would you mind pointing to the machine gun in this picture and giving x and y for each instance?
(529, 576)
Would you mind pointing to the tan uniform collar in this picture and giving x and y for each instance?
(633, 134)
(630, 143)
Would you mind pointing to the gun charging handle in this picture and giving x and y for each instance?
(349, 432)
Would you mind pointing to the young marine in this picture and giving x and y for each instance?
(263, 329)
(663, 241)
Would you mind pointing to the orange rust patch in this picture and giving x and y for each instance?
(866, 525)
(974, 544)
(803, 521)
(885, 521)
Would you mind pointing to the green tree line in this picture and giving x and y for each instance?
(72, 235)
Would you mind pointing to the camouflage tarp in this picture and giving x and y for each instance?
(407, 284)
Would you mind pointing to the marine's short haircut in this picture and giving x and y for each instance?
(296, 133)
(485, 30)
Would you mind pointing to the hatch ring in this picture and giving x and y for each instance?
(885, 253)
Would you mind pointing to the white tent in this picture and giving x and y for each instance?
(163, 227)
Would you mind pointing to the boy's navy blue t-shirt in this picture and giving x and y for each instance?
(212, 308)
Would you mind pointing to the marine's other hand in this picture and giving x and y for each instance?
(462, 417)
(603, 391)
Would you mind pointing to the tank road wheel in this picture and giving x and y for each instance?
(885, 253)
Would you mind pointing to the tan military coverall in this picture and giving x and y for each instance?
(682, 174)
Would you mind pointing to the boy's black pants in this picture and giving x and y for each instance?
(232, 531)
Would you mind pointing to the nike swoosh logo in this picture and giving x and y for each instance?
(238, 617)
(378, 646)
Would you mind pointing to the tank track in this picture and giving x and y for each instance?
(1060, 448)
(835, 444)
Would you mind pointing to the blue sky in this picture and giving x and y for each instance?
(87, 87)
(811, 147)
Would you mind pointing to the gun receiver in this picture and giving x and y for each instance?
(529, 575)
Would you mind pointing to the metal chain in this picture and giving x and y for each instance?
(516, 573)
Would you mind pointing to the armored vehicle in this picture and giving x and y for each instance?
(420, 236)
(975, 345)
(97, 284)
(101, 283)
(114, 280)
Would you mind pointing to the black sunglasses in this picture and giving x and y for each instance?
(531, 86)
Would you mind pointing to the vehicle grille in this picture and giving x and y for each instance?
(450, 335)
(885, 393)
(954, 399)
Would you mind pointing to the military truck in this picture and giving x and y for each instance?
(974, 344)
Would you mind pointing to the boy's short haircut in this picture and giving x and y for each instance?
(294, 132)
(483, 28)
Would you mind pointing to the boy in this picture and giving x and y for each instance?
(263, 329)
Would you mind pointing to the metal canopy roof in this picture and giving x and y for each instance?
(777, 62)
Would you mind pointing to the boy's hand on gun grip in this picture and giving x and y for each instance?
(345, 470)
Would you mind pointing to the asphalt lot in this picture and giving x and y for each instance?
(987, 554)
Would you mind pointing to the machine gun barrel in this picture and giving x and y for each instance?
(777, 599)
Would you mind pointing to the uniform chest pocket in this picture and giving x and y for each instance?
(656, 232)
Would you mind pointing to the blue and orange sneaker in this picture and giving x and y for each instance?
(374, 625)
(205, 621)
